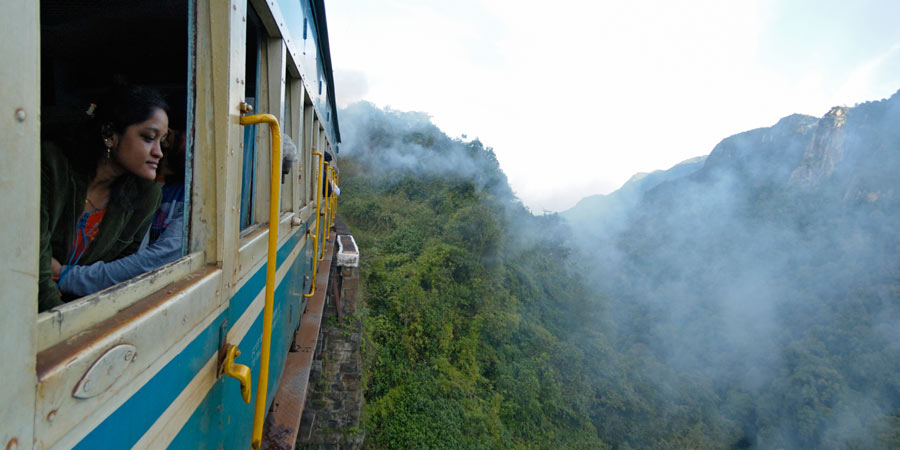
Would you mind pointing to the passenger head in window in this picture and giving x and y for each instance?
(129, 125)
(164, 240)
(98, 197)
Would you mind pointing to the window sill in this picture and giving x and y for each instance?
(70, 319)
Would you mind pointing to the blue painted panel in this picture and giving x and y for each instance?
(124, 427)
(222, 418)
(242, 298)
(233, 422)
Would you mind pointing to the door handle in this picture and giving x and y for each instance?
(238, 371)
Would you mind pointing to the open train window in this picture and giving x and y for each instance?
(310, 131)
(87, 48)
(289, 149)
(251, 96)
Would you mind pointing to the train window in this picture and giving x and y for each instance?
(251, 93)
(288, 106)
(88, 50)
(288, 147)
(290, 131)
(309, 142)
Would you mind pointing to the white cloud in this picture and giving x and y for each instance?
(576, 96)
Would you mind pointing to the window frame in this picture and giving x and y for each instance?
(79, 315)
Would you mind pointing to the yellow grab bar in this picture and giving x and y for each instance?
(262, 382)
(237, 371)
(315, 235)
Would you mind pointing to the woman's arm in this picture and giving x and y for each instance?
(85, 280)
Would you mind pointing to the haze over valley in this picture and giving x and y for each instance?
(745, 299)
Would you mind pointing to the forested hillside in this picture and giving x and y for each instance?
(765, 285)
(472, 317)
(752, 302)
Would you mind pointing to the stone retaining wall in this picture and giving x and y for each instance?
(334, 400)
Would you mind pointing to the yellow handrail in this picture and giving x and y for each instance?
(315, 235)
(262, 382)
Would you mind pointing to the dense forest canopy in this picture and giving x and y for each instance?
(746, 300)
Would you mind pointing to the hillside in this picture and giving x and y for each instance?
(768, 281)
(472, 320)
(604, 216)
(748, 300)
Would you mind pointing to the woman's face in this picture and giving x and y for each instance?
(139, 149)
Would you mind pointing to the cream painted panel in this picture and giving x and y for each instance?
(277, 91)
(270, 15)
(167, 426)
(220, 65)
(20, 198)
(67, 320)
(158, 336)
(308, 145)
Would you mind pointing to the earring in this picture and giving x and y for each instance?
(107, 153)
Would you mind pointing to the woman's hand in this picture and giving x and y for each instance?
(55, 267)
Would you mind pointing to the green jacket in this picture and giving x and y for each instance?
(129, 213)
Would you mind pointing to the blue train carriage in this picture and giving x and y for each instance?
(167, 360)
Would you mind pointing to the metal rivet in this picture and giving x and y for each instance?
(20, 115)
(51, 416)
(13, 444)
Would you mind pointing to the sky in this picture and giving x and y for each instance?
(577, 96)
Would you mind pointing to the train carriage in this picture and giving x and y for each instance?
(175, 358)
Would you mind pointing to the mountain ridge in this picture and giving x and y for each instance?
(798, 151)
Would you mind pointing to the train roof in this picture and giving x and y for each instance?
(318, 9)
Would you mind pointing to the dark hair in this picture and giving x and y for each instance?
(123, 106)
